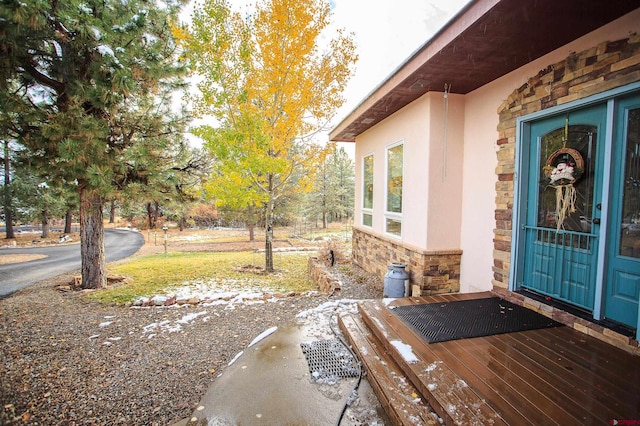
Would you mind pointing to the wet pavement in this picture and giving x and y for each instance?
(270, 384)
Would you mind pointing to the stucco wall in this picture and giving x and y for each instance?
(410, 126)
(431, 192)
(445, 171)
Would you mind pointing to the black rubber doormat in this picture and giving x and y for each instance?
(439, 322)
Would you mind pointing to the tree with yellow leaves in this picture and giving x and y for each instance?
(270, 85)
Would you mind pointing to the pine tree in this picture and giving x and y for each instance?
(7, 191)
(333, 191)
(36, 197)
(87, 87)
(342, 172)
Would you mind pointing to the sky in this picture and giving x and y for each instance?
(386, 33)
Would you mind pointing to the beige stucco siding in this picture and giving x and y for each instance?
(431, 193)
(445, 171)
(410, 126)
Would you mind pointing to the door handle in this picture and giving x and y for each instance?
(596, 220)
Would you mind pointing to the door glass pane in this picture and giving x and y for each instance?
(554, 189)
(630, 229)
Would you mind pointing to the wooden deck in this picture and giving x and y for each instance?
(540, 377)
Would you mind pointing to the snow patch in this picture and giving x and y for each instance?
(432, 366)
(381, 326)
(167, 326)
(105, 50)
(83, 8)
(190, 317)
(262, 335)
(96, 33)
(405, 351)
(236, 357)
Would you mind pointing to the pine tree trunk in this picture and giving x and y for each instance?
(92, 240)
(8, 211)
(45, 224)
(68, 219)
(149, 217)
(156, 214)
(112, 212)
(181, 223)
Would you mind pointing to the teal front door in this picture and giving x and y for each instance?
(622, 290)
(563, 207)
(582, 196)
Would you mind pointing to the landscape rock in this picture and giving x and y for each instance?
(158, 300)
(141, 301)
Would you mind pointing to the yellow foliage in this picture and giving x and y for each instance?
(272, 86)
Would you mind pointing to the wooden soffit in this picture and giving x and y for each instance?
(486, 40)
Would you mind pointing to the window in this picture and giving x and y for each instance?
(393, 214)
(367, 191)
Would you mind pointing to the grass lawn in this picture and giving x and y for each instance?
(154, 274)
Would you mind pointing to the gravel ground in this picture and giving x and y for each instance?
(66, 360)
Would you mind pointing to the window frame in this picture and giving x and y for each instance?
(389, 215)
(367, 211)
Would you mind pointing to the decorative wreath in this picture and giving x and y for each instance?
(563, 168)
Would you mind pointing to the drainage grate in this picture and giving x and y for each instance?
(329, 359)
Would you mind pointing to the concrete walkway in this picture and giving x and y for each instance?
(270, 384)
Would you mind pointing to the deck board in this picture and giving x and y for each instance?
(441, 387)
(573, 380)
(397, 395)
(553, 379)
(547, 376)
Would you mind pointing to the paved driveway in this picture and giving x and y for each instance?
(119, 243)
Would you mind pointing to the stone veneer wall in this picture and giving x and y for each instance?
(598, 69)
(321, 274)
(436, 272)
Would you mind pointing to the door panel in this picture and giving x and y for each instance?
(623, 278)
(561, 244)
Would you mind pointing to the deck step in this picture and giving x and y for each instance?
(400, 399)
(449, 396)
